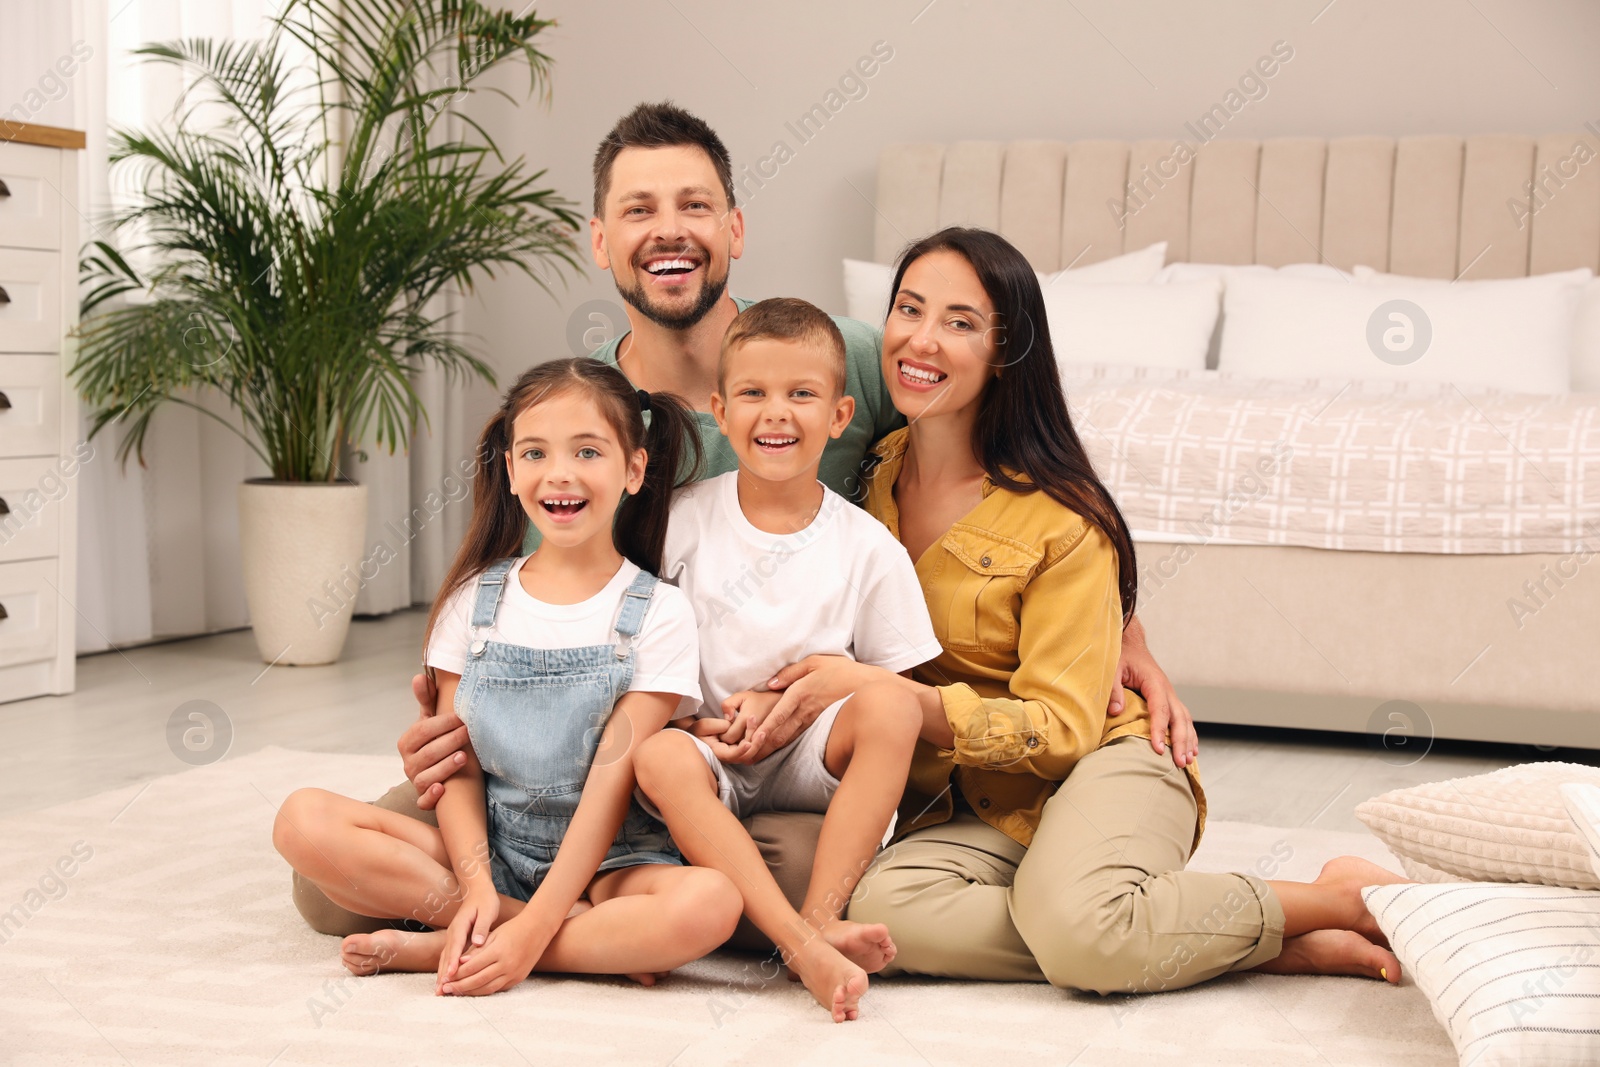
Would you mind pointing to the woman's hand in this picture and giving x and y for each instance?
(1169, 717)
(473, 923)
(506, 958)
(808, 688)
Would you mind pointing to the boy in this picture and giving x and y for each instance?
(779, 567)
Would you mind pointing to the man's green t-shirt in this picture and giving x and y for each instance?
(843, 459)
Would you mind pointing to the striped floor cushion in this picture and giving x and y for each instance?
(1511, 971)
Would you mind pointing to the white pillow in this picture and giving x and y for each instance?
(1133, 325)
(1126, 269)
(1585, 329)
(1583, 805)
(866, 285)
(1514, 335)
(1508, 826)
(1512, 972)
(1586, 341)
(1189, 272)
(866, 290)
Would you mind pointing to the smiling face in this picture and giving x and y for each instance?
(779, 404)
(569, 469)
(668, 234)
(939, 338)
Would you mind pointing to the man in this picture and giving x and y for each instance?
(667, 227)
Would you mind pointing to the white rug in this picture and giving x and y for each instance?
(175, 942)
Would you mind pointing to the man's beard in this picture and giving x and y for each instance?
(710, 293)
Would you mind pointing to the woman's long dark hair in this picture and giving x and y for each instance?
(499, 524)
(1023, 425)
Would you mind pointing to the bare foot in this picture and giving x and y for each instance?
(646, 978)
(867, 945)
(1351, 873)
(837, 983)
(1334, 952)
(391, 950)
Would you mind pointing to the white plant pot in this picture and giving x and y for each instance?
(300, 545)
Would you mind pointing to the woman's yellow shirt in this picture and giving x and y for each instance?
(1024, 599)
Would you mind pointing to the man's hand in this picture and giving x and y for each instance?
(1169, 717)
(432, 746)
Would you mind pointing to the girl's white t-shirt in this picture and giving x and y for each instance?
(666, 657)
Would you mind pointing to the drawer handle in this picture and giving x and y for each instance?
(5, 509)
(5, 402)
(5, 190)
(3, 615)
(5, 297)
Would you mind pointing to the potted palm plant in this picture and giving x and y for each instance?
(298, 217)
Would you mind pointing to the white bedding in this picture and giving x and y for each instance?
(1205, 457)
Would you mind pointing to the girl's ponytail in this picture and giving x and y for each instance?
(498, 521)
(673, 442)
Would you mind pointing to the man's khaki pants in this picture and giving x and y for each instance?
(788, 842)
(1099, 902)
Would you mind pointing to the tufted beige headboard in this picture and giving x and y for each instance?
(1433, 206)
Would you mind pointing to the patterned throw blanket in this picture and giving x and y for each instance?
(1368, 466)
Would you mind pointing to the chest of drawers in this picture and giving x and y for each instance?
(40, 457)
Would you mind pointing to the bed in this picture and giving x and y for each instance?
(1403, 638)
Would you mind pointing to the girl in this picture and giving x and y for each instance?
(561, 663)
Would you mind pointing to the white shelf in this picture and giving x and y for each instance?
(38, 420)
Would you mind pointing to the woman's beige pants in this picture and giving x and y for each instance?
(1100, 901)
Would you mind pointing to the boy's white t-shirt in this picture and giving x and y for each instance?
(665, 654)
(842, 586)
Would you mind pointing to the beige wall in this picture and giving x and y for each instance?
(960, 69)
(1026, 69)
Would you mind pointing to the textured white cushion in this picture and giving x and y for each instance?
(1166, 325)
(1418, 871)
(1512, 972)
(1507, 826)
(1583, 805)
(1515, 335)
(866, 285)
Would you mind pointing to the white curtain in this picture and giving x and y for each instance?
(158, 546)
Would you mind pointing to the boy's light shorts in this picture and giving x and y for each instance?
(794, 778)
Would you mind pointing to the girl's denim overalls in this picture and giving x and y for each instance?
(535, 716)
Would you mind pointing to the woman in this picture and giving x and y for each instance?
(1038, 838)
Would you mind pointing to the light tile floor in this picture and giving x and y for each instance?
(114, 730)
